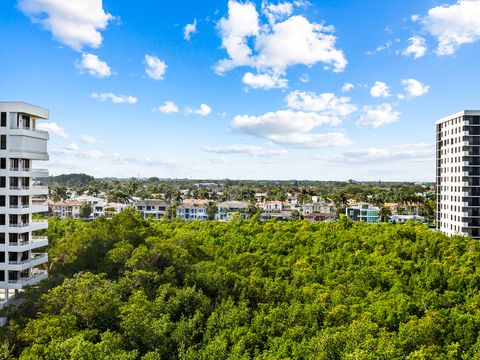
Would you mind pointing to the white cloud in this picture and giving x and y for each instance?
(326, 103)
(156, 68)
(305, 78)
(414, 87)
(417, 47)
(347, 87)
(75, 23)
(312, 140)
(190, 29)
(381, 48)
(219, 160)
(380, 89)
(245, 149)
(116, 99)
(203, 110)
(241, 23)
(290, 128)
(415, 17)
(454, 25)
(169, 107)
(94, 66)
(89, 139)
(281, 122)
(277, 45)
(376, 116)
(264, 81)
(53, 128)
(277, 12)
(73, 147)
(401, 152)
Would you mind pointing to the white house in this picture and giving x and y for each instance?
(193, 209)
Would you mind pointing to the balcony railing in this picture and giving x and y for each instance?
(19, 169)
(32, 257)
(20, 225)
(19, 206)
(29, 278)
(29, 129)
(20, 187)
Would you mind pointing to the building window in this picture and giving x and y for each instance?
(2, 275)
(3, 142)
(2, 256)
(2, 201)
(2, 219)
(3, 122)
(2, 238)
(3, 163)
(3, 181)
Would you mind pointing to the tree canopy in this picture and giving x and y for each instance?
(130, 288)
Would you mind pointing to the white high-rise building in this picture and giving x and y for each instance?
(458, 174)
(20, 145)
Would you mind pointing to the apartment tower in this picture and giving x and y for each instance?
(21, 143)
(458, 174)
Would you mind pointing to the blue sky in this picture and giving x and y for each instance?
(324, 90)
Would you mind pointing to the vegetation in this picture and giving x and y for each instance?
(130, 288)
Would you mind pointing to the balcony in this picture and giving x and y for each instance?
(30, 172)
(33, 258)
(29, 131)
(33, 279)
(25, 245)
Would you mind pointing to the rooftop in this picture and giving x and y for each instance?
(458, 114)
(26, 108)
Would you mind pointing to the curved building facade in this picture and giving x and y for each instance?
(21, 146)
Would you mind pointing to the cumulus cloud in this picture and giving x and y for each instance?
(245, 149)
(380, 89)
(93, 65)
(190, 29)
(454, 25)
(89, 139)
(53, 128)
(75, 23)
(414, 87)
(277, 45)
(169, 107)
(116, 99)
(155, 68)
(376, 116)
(281, 122)
(417, 47)
(203, 110)
(347, 87)
(277, 12)
(326, 103)
(264, 81)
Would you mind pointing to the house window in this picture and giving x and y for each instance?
(3, 122)
(3, 142)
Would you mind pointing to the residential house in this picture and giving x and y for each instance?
(363, 212)
(152, 208)
(228, 209)
(65, 209)
(193, 209)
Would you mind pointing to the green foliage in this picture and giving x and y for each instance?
(130, 288)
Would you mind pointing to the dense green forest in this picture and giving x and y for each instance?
(130, 288)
